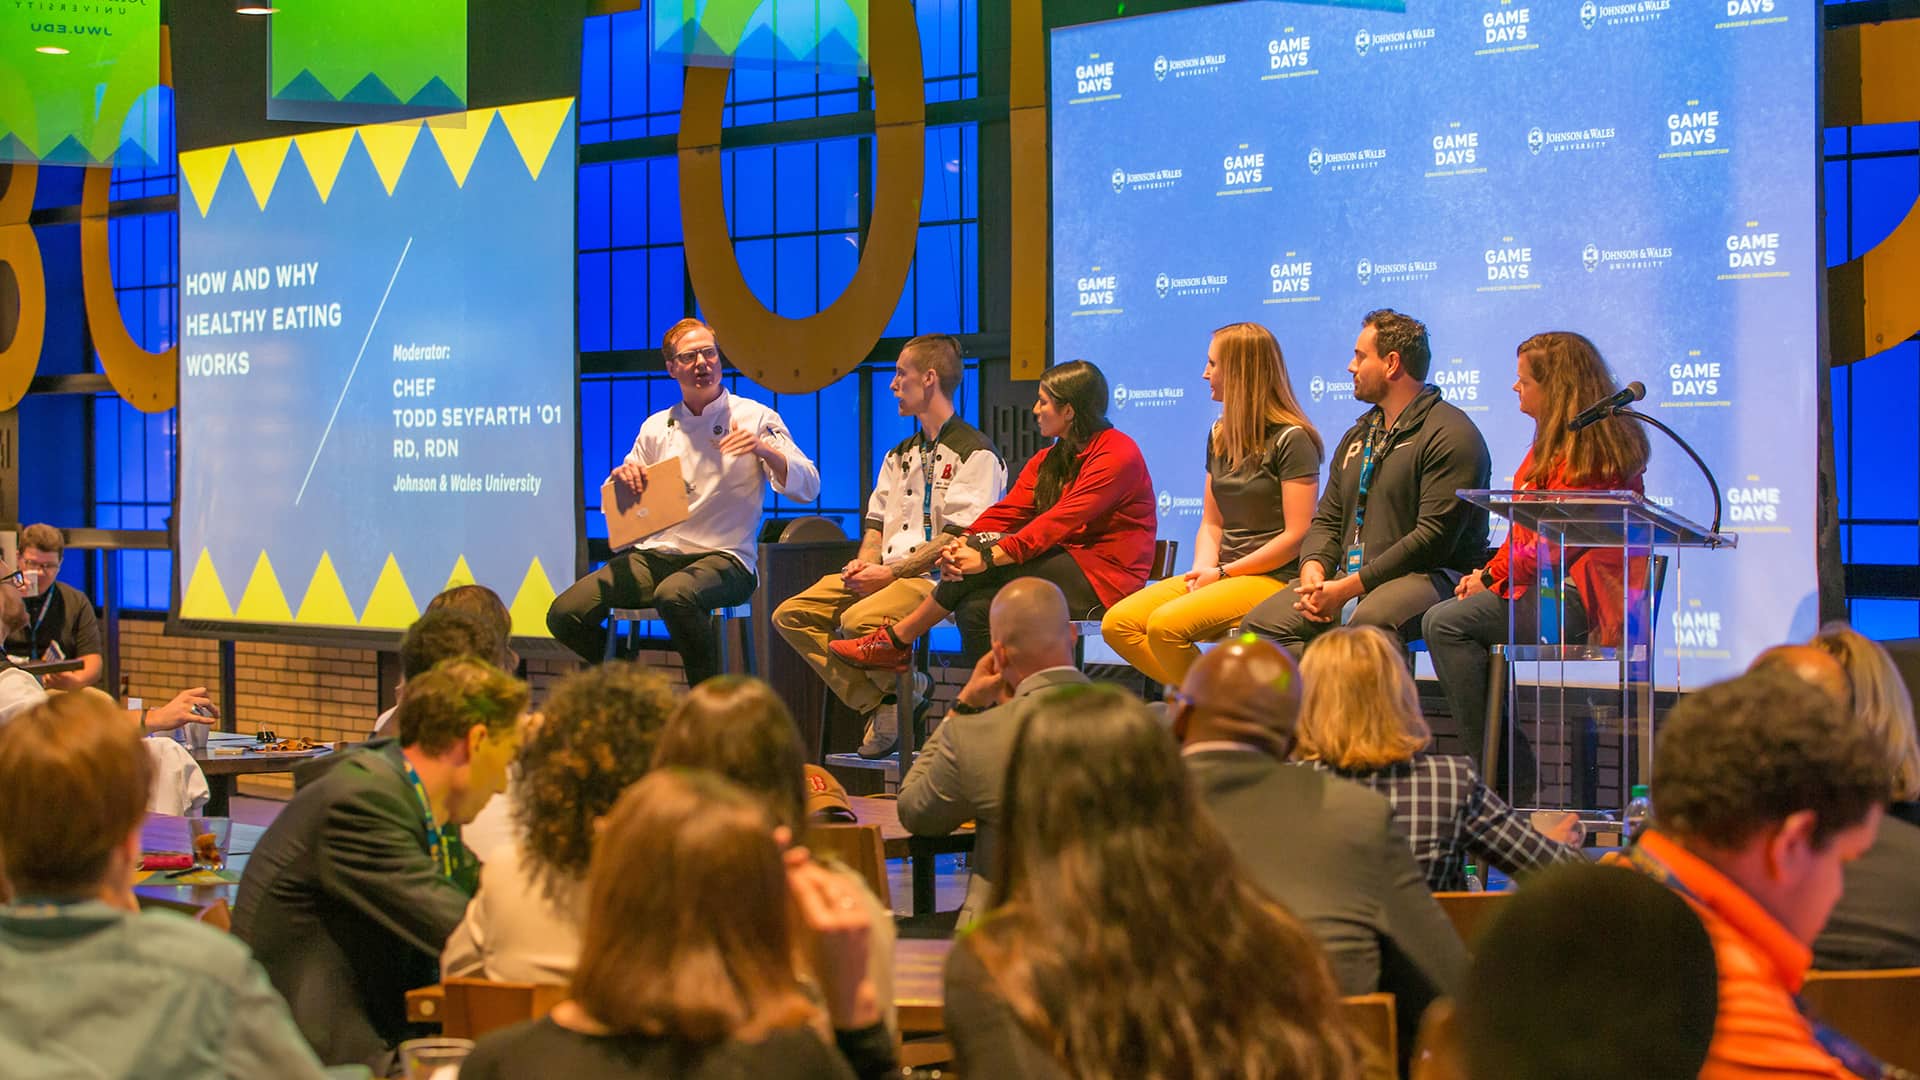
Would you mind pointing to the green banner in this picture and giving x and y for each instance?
(355, 61)
(828, 36)
(80, 81)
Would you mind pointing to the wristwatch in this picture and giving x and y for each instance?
(1486, 577)
(983, 543)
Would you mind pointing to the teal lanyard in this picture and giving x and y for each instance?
(1375, 431)
(440, 848)
(927, 448)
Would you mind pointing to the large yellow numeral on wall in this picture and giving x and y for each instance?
(20, 253)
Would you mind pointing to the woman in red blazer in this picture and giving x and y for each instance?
(1081, 515)
(1560, 373)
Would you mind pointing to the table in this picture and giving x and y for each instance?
(222, 769)
(919, 984)
(901, 844)
(165, 832)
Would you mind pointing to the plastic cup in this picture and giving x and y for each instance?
(194, 736)
(433, 1059)
(209, 839)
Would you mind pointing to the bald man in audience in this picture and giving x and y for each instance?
(960, 773)
(1326, 848)
(1811, 665)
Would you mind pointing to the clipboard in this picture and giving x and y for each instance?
(631, 517)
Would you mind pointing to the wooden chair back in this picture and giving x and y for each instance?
(1877, 1009)
(1471, 912)
(1372, 1016)
(470, 1008)
(860, 847)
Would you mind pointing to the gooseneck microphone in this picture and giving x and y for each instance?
(1602, 409)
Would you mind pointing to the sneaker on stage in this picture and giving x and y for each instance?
(883, 732)
(875, 652)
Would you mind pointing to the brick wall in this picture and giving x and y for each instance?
(324, 693)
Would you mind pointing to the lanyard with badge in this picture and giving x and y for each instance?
(1851, 1055)
(928, 451)
(438, 845)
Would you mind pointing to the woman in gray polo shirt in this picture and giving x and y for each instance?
(1263, 482)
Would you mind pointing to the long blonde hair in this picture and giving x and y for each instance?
(1882, 704)
(1258, 395)
(1572, 375)
(1360, 711)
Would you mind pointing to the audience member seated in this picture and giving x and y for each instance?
(686, 970)
(596, 736)
(1765, 789)
(89, 984)
(1877, 922)
(736, 727)
(1589, 973)
(1131, 941)
(60, 622)
(1326, 848)
(435, 637)
(352, 893)
(961, 772)
(1361, 720)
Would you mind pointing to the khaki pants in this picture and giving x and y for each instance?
(1155, 629)
(807, 620)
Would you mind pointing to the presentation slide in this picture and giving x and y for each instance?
(1640, 171)
(81, 83)
(364, 61)
(377, 371)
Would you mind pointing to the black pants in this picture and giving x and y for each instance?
(971, 596)
(683, 588)
(1394, 606)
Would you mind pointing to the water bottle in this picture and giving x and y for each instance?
(1639, 809)
(1474, 883)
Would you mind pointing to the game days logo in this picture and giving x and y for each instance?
(1290, 281)
(1456, 152)
(1594, 14)
(1694, 382)
(1506, 29)
(1244, 172)
(1459, 383)
(1742, 14)
(1093, 81)
(1509, 267)
(1368, 43)
(1097, 292)
(1694, 131)
(1289, 56)
(1756, 507)
(1753, 252)
(1370, 157)
(1696, 630)
(1187, 67)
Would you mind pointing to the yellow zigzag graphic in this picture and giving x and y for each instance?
(203, 598)
(530, 604)
(533, 127)
(390, 606)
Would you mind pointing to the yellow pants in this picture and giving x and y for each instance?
(807, 620)
(1156, 628)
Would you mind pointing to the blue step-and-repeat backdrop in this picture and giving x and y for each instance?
(1642, 172)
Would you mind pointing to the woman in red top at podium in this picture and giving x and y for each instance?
(1559, 374)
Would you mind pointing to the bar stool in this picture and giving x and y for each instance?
(720, 617)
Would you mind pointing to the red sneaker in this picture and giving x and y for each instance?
(875, 651)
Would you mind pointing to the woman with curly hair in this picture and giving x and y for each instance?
(1130, 941)
(597, 736)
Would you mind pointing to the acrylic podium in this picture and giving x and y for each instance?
(1572, 691)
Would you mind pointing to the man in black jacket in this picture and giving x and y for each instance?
(350, 895)
(1324, 847)
(1390, 532)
